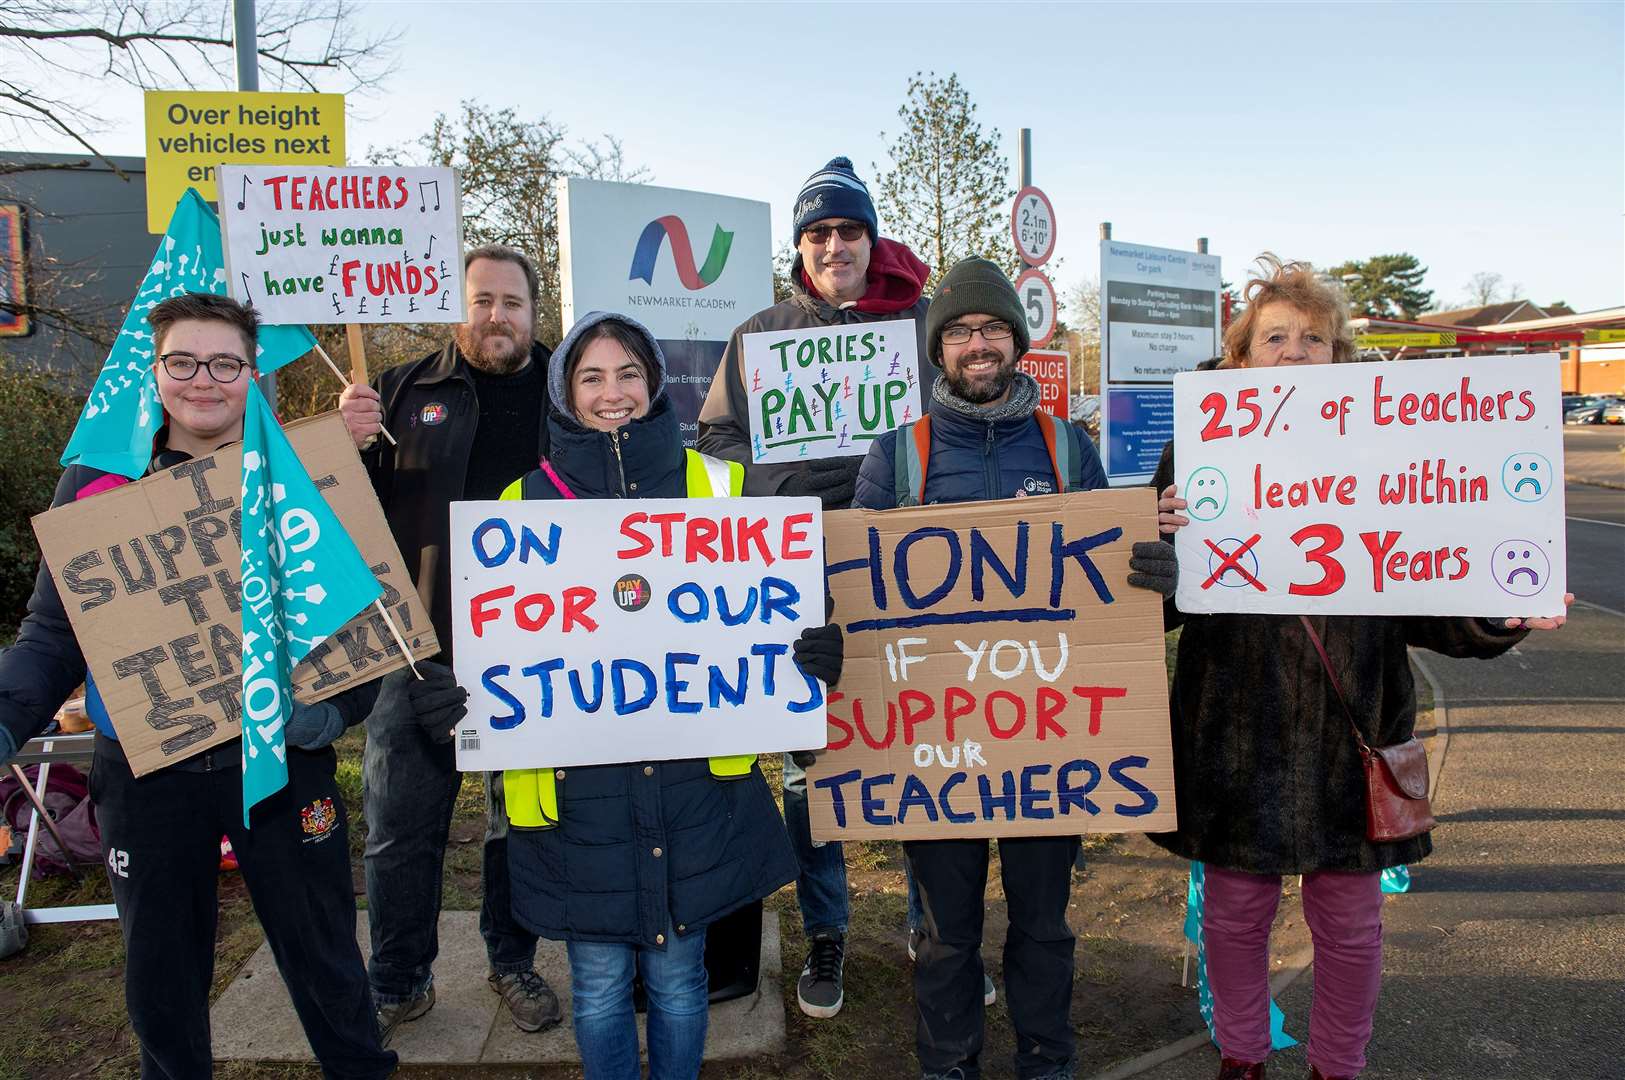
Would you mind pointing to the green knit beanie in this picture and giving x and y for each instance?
(974, 287)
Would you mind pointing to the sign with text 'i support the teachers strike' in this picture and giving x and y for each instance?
(1418, 487)
(829, 391)
(351, 245)
(1001, 677)
(596, 631)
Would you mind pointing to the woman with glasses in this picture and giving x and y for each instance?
(161, 832)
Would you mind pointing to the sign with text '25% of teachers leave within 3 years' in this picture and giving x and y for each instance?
(352, 245)
(1419, 487)
(829, 391)
(598, 631)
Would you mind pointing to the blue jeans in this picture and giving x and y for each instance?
(605, 1024)
(916, 910)
(409, 788)
(821, 884)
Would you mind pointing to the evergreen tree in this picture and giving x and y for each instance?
(1385, 286)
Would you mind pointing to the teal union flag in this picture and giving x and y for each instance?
(303, 578)
(122, 413)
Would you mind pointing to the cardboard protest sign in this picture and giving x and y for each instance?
(150, 576)
(598, 631)
(350, 245)
(1001, 679)
(829, 391)
(1418, 487)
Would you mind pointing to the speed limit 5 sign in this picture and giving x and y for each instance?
(1038, 306)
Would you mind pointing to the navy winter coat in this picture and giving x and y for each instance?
(975, 460)
(645, 848)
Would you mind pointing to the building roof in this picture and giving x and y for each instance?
(1486, 314)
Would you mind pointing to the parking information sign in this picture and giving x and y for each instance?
(1159, 311)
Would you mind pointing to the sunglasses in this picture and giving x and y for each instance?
(847, 230)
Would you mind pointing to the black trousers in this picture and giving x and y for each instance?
(1038, 952)
(161, 844)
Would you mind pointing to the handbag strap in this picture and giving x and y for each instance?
(558, 481)
(1337, 687)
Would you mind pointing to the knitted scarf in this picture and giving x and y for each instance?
(1023, 400)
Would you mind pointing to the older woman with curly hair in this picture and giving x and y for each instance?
(1267, 772)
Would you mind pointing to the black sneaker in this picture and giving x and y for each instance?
(819, 991)
(990, 993)
(396, 1013)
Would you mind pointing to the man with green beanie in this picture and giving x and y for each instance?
(986, 439)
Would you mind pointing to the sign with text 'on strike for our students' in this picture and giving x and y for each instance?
(352, 245)
(1001, 678)
(829, 391)
(596, 631)
(1416, 487)
(150, 576)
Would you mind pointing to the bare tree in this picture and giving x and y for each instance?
(160, 44)
(1485, 287)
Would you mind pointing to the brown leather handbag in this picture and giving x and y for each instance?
(1396, 777)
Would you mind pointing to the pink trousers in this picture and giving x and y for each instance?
(1344, 912)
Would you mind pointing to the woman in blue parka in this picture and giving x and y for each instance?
(630, 863)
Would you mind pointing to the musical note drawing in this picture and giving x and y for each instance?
(445, 296)
(243, 202)
(430, 252)
(337, 310)
(423, 205)
(248, 297)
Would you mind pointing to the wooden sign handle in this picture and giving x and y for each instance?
(358, 353)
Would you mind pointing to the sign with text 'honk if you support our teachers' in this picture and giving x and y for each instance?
(191, 132)
(596, 631)
(355, 245)
(1002, 678)
(829, 391)
(1414, 487)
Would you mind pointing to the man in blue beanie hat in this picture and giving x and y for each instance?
(844, 272)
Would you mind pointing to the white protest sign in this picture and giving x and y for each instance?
(597, 631)
(1159, 311)
(1418, 487)
(829, 391)
(312, 244)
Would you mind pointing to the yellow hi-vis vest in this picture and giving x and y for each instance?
(532, 795)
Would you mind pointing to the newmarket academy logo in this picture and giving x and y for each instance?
(318, 819)
(648, 250)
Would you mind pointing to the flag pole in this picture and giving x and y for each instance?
(395, 631)
(345, 379)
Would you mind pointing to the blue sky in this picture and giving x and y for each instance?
(1480, 137)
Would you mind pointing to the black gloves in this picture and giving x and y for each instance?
(1154, 567)
(312, 727)
(819, 652)
(834, 480)
(437, 701)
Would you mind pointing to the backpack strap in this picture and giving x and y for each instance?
(912, 455)
(1064, 456)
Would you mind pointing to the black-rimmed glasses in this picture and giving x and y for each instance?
(223, 367)
(959, 334)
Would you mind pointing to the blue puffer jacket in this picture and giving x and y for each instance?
(648, 847)
(975, 460)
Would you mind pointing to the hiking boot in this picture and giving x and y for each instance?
(530, 1001)
(1231, 1069)
(990, 993)
(396, 1013)
(819, 991)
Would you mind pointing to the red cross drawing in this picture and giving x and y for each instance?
(1232, 561)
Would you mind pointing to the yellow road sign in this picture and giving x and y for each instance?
(1602, 337)
(189, 133)
(1401, 341)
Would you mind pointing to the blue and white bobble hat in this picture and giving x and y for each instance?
(835, 192)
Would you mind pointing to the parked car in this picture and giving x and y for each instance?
(1584, 414)
(1614, 413)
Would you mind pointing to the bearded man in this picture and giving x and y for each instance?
(467, 419)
